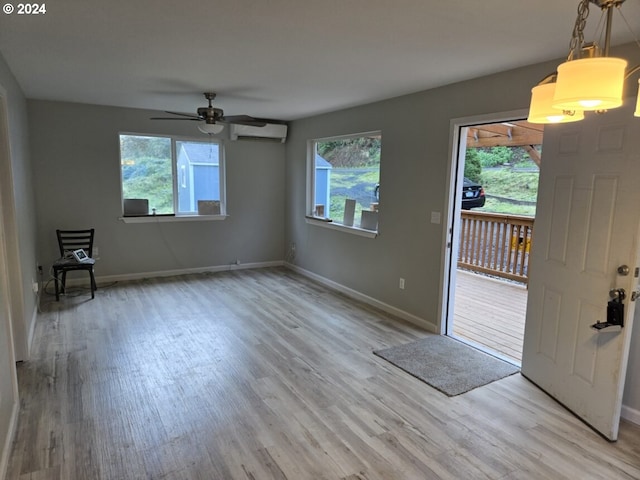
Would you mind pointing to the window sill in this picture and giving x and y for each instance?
(172, 218)
(320, 222)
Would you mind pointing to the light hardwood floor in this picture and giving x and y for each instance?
(265, 375)
(490, 312)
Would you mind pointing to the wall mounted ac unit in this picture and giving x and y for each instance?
(271, 131)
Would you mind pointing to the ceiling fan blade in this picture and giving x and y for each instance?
(243, 120)
(194, 119)
(190, 115)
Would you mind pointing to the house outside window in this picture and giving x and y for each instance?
(344, 179)
(168, 176)
(199, 175)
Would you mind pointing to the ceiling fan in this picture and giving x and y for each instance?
(213, 118)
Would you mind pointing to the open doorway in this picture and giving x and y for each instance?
(496, 167)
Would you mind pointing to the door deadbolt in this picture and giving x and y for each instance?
(615, 310)
(623, 270)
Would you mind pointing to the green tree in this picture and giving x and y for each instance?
(150, 178)
(521, 155)
(494, 156)
(352, 152)
(146, 170)
(135, 146)
(472, 165)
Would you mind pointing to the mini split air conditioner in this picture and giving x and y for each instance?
(271, 131)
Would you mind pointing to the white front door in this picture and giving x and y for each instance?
(586, 227)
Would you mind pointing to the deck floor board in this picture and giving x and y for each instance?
(490, 312)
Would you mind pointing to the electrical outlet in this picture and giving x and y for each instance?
(34, 286)
(401, 284)
(96, 253)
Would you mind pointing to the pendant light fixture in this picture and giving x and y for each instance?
(590, 80)
(542, 111)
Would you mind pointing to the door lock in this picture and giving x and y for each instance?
(615, 310)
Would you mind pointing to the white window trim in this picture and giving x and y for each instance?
(184, 216)
(310, 218)
(320, 222)
(172, 218)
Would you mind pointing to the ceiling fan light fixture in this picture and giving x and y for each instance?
(211, 128)
(541, 109)
(590, 84)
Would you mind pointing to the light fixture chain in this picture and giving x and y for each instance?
(577, 37)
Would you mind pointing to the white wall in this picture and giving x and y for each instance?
(8, 380)
(413, 174)
(77, 177)
(19, 213)
(413, 178)
(17, 242)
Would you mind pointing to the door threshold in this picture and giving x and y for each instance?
(487, 350)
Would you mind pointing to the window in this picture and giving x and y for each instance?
(168, 176)
(344, 180)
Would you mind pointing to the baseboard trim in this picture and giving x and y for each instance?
(420, 322)
(631, 414)
(6, 448)
(171, 273)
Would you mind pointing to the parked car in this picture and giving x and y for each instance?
(472, 195)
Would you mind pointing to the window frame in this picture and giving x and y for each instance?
(310, 216)
(177, 216)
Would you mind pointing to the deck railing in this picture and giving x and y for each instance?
(497, 244)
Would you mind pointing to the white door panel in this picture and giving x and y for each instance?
(587, 226)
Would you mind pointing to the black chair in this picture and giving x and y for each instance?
(68, 242)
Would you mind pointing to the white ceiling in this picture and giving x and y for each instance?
(284, 59)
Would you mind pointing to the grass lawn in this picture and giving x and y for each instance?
(510, 183)
(496, 206)
(356, 183)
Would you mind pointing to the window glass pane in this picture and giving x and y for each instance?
(198, 170)
(346, 168)
(146, 171)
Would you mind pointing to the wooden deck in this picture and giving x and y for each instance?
(490, 312)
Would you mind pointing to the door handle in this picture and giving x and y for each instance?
(618, 294)
(623, 270)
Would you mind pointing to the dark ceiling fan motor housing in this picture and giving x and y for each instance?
(210, 114)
